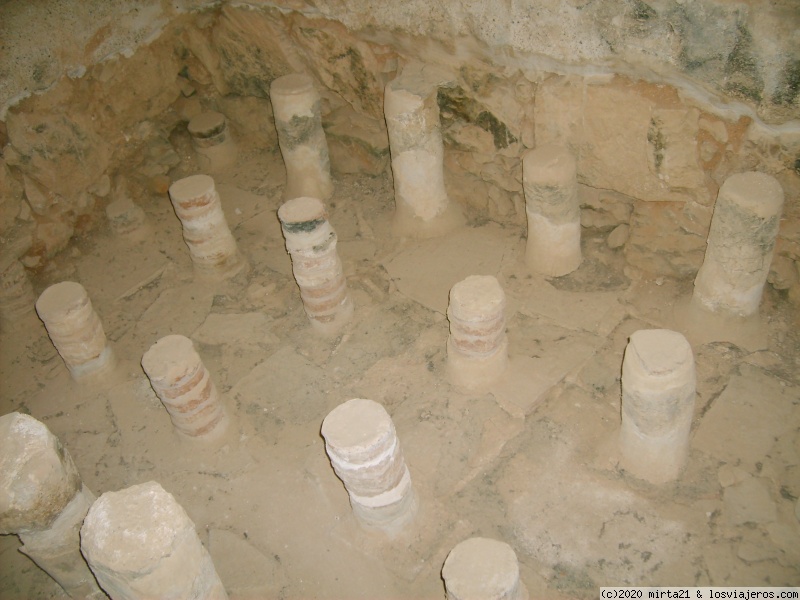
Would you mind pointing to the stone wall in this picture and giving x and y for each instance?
(659, 101)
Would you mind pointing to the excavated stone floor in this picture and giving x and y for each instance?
(532, 461)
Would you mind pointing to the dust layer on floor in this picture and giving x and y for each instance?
(532, 461)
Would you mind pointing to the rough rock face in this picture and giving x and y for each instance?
(659, 101)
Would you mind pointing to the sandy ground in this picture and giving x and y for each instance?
(532, 461)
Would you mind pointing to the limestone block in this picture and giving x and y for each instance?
(342, 62)
(356, 143)
(252, 47)
(667, 238)
(43, 501)
(65, 154)
(602, 209)
(140, 543)
(624, 139)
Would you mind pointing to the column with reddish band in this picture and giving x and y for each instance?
(311, 242)
(185, 387)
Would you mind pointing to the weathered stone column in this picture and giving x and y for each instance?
(483, 569)
(211, 244)
(477, 349)
(311, 242)
(43, 501)
(16, 292)
(658, 392)
(296, 105)
(362, 443)
(75, 329)
(125, 217)
(215, 147)
(422, 207)
(554, 217)
(184, 386)
(141, 544)
(740, 245)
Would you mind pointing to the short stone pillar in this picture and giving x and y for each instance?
(75, 329)
(215, 147)
(483, 569)
(296, 105)
(185, 387)
(311, 242)
(422, 207)
(126, 218)
(362, 444)
(140, 543)
(43, 501)
(16, 292)
(211, 244)
(477, 349)
(740, 245)
(551, 203)
(658, 391)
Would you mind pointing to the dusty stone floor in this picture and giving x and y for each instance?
(531, 462)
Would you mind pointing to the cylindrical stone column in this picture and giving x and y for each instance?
(477, 349)
(126, 218)
(296, 105)
(422, 207)
(211, 244)
(483, 569)
(215, 147)
(311, 242)
(75, 329)
(362, 444)
(740, 245)
(16, 292)
(551, 203)
(185, 387)
(43, 501)
(658, 391)
(140, 543)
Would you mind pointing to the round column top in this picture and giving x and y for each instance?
(477, 298)
(481, 569)
(185, 190)
(660, 351)
(207, 124)
(358, 429)
(131, 530)
(760, 193)
(302, 214)
(170, 359)
(61, 298)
